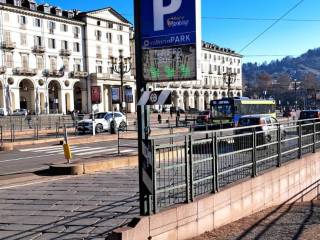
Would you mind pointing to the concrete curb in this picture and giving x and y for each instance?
(6, 147)
(79, 168)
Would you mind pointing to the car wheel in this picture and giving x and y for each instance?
(122, 126)
(99, 128)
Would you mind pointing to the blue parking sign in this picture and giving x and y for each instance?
(166, 23)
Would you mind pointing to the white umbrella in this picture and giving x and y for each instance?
(8, 99)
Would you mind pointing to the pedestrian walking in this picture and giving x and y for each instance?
(178, 114)
(29, 119)
(159, 118)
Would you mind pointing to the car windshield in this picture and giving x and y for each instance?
(249, 121)
(309, 114)
(98, 115)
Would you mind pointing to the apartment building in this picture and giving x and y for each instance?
(50, 57)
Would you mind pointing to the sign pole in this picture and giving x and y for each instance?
(142, 112)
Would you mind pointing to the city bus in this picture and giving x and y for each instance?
(227, 111)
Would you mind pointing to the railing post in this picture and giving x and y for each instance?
(12, 132)
(191, 167)
(314, 136)
(154, 177)
(118, 142)
(187, 169)
(215, 177)
(279, 146)
(300, 140)
(1, 129)
(254, 155)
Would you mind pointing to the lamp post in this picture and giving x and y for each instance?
(46, 75)
(295, 94)
(121, 67)
(229, 78)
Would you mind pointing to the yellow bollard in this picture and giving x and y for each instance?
(67, 152)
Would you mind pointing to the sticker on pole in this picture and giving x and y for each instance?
(155, 98)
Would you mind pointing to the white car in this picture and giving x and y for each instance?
(20, 112)
(3, 112)
(102, 122)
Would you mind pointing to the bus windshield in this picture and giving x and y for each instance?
(222, 110)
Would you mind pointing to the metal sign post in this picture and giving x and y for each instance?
(93, 124)
(168, 48)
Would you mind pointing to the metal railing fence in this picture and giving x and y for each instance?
(34, 132)
(198, 163)
(23, 123)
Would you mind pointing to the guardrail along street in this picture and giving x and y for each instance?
(198, 163)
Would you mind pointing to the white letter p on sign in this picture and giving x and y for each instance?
(159, 11)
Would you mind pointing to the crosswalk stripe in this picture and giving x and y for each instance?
(99, 151)
(39, 149)
(87, 150)
(76, 150)
(72, 149)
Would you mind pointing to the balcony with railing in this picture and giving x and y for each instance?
(161, 85)
(78, 74)
(239, 87)
(8, 45)
(100, 76)
(55, 73)
(65, 52)
(24, 71)
(215, 86)
(174, 85)
(3, 69)
(186, 85)
(38, 49)
(206, 86)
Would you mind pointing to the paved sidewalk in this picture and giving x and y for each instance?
(83, 207)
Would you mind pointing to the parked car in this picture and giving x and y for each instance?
(154, 110)
(3, 112)
(102, 122)
(20, 112)
(287, 113)
(307, 117)
(176, 109)
(204, 116)
(266, 129)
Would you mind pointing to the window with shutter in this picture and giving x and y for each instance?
(66, 64)
(7, 36)
(39, 63)
(6, 17)
(24, 61)
(23, 39)
(9, 60)
(53, 64)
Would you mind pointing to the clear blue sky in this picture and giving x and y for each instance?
(286, 38)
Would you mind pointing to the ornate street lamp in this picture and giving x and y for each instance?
(45, 73)
(229, 78)
(121, 67)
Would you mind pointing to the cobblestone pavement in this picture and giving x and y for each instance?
(297, 221)
(83, 207)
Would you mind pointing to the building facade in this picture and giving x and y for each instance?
(50, 58)
(215, 62)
